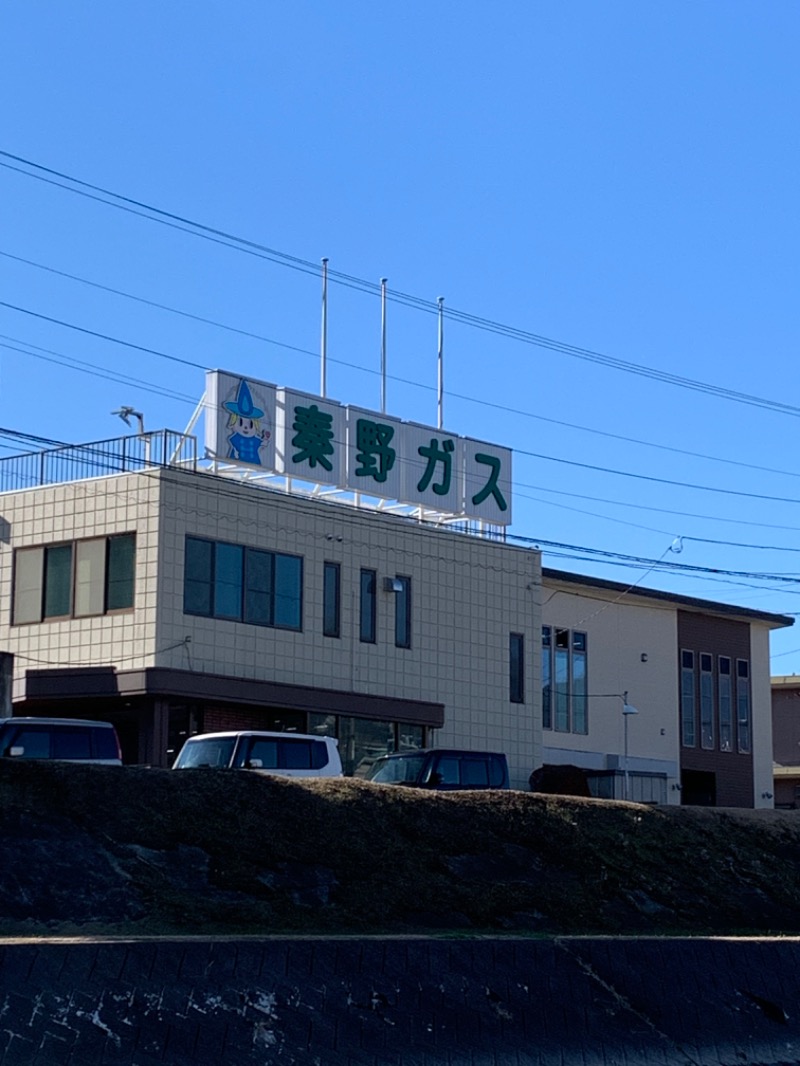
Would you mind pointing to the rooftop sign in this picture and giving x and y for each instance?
(257, 425)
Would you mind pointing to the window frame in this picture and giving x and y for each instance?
(246, 589)
(331, 599)
(565, 680)
(33, 563)
(368, 606)
(516, 667)
(402, 612)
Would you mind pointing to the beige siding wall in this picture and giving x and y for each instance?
(619, 634)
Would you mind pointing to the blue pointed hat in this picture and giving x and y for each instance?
(243, 404)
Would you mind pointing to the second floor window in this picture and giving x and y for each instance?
(242, 584)
(331, 599)
(76, 579)
(369, 607)
(565, 693)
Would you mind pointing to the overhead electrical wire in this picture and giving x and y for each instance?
(156, 214)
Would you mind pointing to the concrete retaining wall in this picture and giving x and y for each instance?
(400, 1002)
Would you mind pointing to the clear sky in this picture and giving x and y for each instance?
(616, 176)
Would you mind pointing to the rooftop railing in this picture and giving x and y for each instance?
(120, 455)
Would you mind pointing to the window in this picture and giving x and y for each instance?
(580, 693)
(368, 625)
(402, 612)
(706, 701)
(331, 599)
(743, 704)
(74, 580)
(58, 581)
(547, 708)
(724, 696)
(242, 584)
(516, 662)
(688, 723)
(565, 692)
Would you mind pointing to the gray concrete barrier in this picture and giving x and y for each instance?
(400, 1002)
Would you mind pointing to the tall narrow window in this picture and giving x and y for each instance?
(580, 691)
(562, 680)
(368, 626)
(706, 701)
(58, 581)
(288, 586)
(743, 704)
(725, 697)
(258, 587)
(402, 613)
(547, 678)
(331, 599)
(120, 572)
(228, 581)
(688, 715)
(516, 661)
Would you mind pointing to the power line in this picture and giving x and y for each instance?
(139, 207)
(428, 388)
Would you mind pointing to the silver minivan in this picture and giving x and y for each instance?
(285, 754)
(66, 739)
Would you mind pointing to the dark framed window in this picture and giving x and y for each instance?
(706, 701)
(547, 678)
(743, 705)
(688, 710)
(58, 581)
(725, 701)
(77, 579)
(331, 599)
(369, 607)
(516, 665)
(120, 571)
(565, 680)
(402, 612)
(242, 584)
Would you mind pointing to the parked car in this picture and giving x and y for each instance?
(285, 754)
(443, 769)
(66, 739)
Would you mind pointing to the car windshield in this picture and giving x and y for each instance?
(399, 770)
(215, 751)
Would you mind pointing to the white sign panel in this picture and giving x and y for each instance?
(311, 438)
(256, 425)
(240, 420)
(433, 469)
(374, 453)
(487, 482)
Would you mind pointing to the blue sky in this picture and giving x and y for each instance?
(616, 176)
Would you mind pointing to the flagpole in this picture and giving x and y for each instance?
(323, 362)
(383, 345)
(440, 404)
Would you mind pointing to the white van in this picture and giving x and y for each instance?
(286, 754)
(66, 739)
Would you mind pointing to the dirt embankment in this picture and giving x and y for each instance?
(135, 850)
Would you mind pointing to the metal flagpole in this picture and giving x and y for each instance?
(440, 405)
(383, 345)
(323, 367)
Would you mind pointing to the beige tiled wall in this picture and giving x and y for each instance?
(72, 511)
(468, 595)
